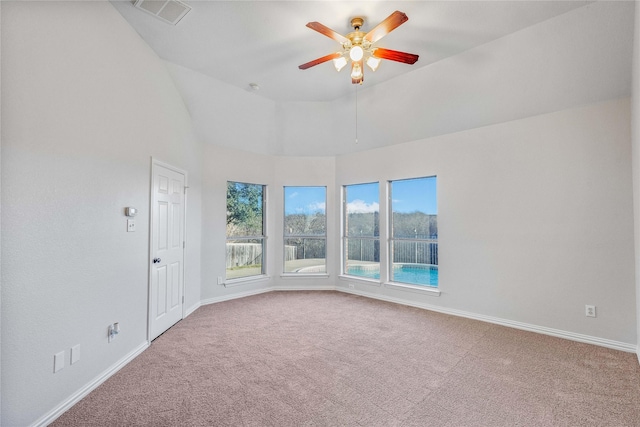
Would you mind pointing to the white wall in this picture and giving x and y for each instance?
(0, 221)
(305, 171)
(86, 104)
(224, 164)
(535, 218)
(635, 129)
(576, 58)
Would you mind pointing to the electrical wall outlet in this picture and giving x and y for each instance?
(112, 331)
(352, 286)
(590, 310)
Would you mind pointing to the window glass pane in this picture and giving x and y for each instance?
(415, 212)
(305, 255)
(245, 230)
(305, 211)
(305, 225)
(244, 209)
(244, 258)
(362, 230)
(363, 210)
(414, 231)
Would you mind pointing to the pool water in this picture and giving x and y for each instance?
(403, 273)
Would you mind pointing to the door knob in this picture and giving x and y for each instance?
(156, 260)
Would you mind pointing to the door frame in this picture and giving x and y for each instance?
(155, 163)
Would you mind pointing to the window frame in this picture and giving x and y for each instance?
(392, 239)
(230, 281)
(286, 236)
(345, 237)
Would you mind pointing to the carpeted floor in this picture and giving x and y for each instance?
(334, 359)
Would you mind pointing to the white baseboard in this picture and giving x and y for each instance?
(303, 288)
(234, 296)
(191, 309)
(76, 397)
(80, 394)
(602, 342)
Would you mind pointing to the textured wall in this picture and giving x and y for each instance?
(535, 218)
(224, 164)
(85, 105)
(635, 130)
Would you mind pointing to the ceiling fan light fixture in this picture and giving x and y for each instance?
(373, 63)
(356, 53)
(340, 63)
(356, 71)
(361, 46)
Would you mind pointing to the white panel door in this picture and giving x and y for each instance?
(167, 249)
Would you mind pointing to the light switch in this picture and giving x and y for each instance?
(75, 353)
(58, 362)
(131, 225)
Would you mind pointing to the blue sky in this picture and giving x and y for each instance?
(409, 195)
(308, 200)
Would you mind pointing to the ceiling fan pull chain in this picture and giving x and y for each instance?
(356, 114)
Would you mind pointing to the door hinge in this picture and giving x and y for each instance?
(184, 244)
(185, 189)
(183, 299)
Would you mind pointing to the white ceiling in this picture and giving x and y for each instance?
(263, 42)
(481, 63)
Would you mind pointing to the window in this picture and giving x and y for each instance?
(305, 230)
(413, 244)
(245, 230)
(361, 228)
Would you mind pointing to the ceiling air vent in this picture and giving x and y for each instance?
(171, 11)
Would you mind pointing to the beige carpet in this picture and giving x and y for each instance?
(334, 359)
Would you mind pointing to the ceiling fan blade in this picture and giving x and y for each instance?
(392, 22)
(320, 60)
(323, 29)
(394, 55)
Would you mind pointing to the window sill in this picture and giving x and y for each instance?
(358, 279)
(245, 280)
(435, 292)
(304, 276)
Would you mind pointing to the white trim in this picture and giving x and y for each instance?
(84, 391)
(602, 342)
(245, 280)
(434, 292)
(303, 288)
(288, 276)
(191, 309)
(154, 163)
(347, 278)
(234, 296)
(88, 388)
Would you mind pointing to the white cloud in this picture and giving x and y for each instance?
(316, 206)
(360, 206)
(294, 194)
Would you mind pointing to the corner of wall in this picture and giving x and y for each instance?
(635, 143)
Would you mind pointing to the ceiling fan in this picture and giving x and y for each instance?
(359, 46)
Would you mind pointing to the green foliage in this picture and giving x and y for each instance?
(303, 224)
(244, 209)
(415, 225)
(363, 224)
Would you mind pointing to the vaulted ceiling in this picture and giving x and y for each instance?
(481, 62)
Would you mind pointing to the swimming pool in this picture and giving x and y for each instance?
(414, 274)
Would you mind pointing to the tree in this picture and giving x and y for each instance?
(244, 209)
